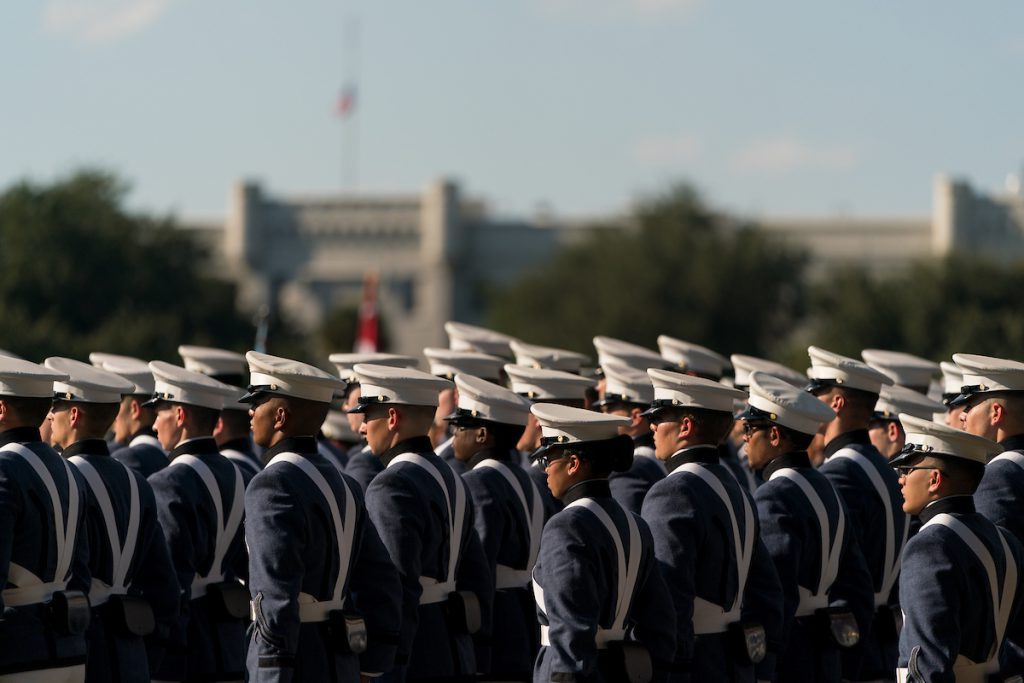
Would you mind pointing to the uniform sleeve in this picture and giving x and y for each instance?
(489, 516)
(676, 532)
(10, 512)
(377, 593)
(930, 639)
(276, 533)
(854, 590)
(476, 575)
(398, 512)
(653, 614)
(360, 469)
(763, 603)
(783, 539)
(998, 494)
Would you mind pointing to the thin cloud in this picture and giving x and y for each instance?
(666, 151)
(101, 21)
(776, 156)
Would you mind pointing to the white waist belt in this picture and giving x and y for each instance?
(311, 610)
(709, 618)
(99, 592)
(434, 591)
(507, 577)
(603, 637)
(810, 603)
(32, 595)
(200, 584)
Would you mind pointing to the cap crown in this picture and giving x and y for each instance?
(346, 362)
(463, 337)
(291, 377)
(485, 400)
(744, 365)
(952, 378)
(897, 399)
(844, 371)
(25, 379)
(87, 383)
(925, 437)
(990, 374)
(448, 363)
(135, 370)
(626, 384)
(405, 386)
(178, 385)
(573, 425)
(787, 405)
(689, 391)
(902, 368)
(692, 357)
(211, 361)
(610, 350)
(552, 385)
(547, 358)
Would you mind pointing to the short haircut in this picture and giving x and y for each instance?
(712, 425)
(235, 421)
(96, 417)
(28, 410)
(310, 414)
(800, 440)
(862, 402)
(506, 436)
(204, 419)
(966, 474)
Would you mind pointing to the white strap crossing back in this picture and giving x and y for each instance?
(817, 598)
(891, 569)
(121, 556)
(439, 449)
(29, 588)
(1000, 607)
(1016, 457)
(225, 531)
(146, 440)
(433, 589)
(240, 460)
(311, 609)
(508, 577)
(707, 616)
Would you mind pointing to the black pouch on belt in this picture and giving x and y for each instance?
(838, 626)
(229, 601)
(462, 611)
(129, 615)
(888, 623)
(625, 660)
(347, 631)
(69, 612)
(748, 641)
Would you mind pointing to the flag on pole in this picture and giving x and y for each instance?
(367, 333)
(346, 101)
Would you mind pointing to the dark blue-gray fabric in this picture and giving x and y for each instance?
(144, 458)
(630, 487)
(578, 573)
(293, 548)
(693, 541)
(363, 466)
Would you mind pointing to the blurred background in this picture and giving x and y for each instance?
(307, 176)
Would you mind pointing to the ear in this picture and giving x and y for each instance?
(481, 435)
(893, 431)
(74, 415)
(574, 464)
(179, 415)
(135, 409)
(634, 417)
(774, 436)
(838, 402)
(997, 413)
(685, 428)
(394, 417)
(936, 479)
(280, 417)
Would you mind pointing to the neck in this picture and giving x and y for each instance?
(841, 425)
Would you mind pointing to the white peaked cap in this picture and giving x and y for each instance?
(625, 384)
(210, 361)
(676, 390)
(547, 358)
(550, 385)
(382, 384)
(690, 357)
(744, 365)
(25, 379)
(927, 438)
(611, 350)
(87, 383)
(448, 363)
(952, 379)
(463, 337)
(844, 371)
(286, 377)
(902, 368)
(346, 362)
(986, 374)
(779, 401)
(175, 384)
(567, 425)
(135, 370)
(483, 400)
(898, 399)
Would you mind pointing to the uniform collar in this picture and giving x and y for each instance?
(19, 435)
(414, 444)
(856, 436)
(1013, 443)
(707, 455)
(87, 447)
(201, 445)
(489, 454)
(958, 505)
(793, 459)
(241, 444)
(143, 431)
(644, 440)
(591, 488)
(291, 444)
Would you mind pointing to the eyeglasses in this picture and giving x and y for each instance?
(546, 460)
(663, 416)
(905, 470)
(749, 428)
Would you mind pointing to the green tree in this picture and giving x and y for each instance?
(678, 268)
(79, 273)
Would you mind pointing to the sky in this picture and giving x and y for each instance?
(579, 107)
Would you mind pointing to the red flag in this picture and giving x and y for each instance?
(367, 332)
(346, 101)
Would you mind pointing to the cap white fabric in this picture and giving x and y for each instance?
(87, 383)
(288, 377)
(210, 361)
(902, 368)
(178, 385)
(691, 357)
(25, 379)
(483, 400)
(8, 354)
(611, 350)
(463, 337)
(989, 373)
(346, 362)
(898, 399)
(550, 385)
(135, 370)
(674, 389)
(565, 425)
(744, 365)
(448, 363)
(624, 384)
(336, 426)
(952, 378)
(844, 371)
(930, 438)
(547, 357)
(787, 405)
(405, 386)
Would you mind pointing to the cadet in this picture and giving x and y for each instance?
(134, 587)
(827, 590)
(509, 516)
(200, 502)
(992, 406)
(605, 612)
(360, 463)
(232, 431)
(727, 597)
(447, 363)
(959, 586)
(43, 557)
(628, 393)
(884, 430)
(425, 518)
(133, 427)
(311, 545)
(952, 382)
(870, 490)
(904, 369)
